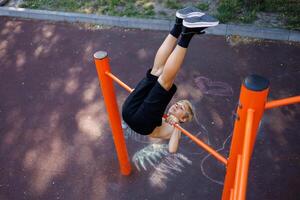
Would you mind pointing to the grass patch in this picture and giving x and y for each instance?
(248, 16)
(67, 5)
(240, 11)
(229, 10)
(173, 4)
(131, 8)
(289, 11)
(203, 6)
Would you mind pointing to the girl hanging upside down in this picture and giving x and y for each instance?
(144, 108)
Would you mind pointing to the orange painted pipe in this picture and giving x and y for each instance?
(246, 156)
(282, 102)
(237, 175)
(253, 95)
(231, 194)
(203, 145)
(108, 91)
(121, 83)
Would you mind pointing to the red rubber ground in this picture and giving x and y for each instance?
(55, 142)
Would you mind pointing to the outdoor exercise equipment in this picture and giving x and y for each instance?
(251, 106)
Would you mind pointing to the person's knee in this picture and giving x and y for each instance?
(156, 71)
(165, 83)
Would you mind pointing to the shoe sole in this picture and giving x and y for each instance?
(192, 14)
(199, 24)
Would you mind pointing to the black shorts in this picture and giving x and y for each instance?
(145, 106)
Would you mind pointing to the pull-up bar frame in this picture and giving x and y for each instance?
(188, 134)
(252, 104)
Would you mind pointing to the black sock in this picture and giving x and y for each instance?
(176, 30)
(185, 40)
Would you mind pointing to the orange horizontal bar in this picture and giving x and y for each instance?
(203, 145)
(282, 102)
(126, 87)
(192, 137)
(246, 156)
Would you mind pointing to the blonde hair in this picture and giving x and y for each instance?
(191, 110)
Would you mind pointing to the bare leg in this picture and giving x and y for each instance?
(163, 54)
(168, 60)
(172, 66)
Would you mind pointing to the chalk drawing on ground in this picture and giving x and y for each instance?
(162, 163)
(151, 155)
(222, 148)
(209, 155)
(156, 156)
(170, 165)
(210, 87)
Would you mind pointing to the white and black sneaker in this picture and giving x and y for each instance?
(189, 12)
(204, 21)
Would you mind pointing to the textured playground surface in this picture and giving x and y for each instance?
(55, 141)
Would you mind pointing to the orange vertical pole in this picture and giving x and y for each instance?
(236, 179)
(231, 194)
(254, 92)
(102, 66)
(245, 156)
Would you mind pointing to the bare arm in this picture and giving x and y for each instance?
(174, 141)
